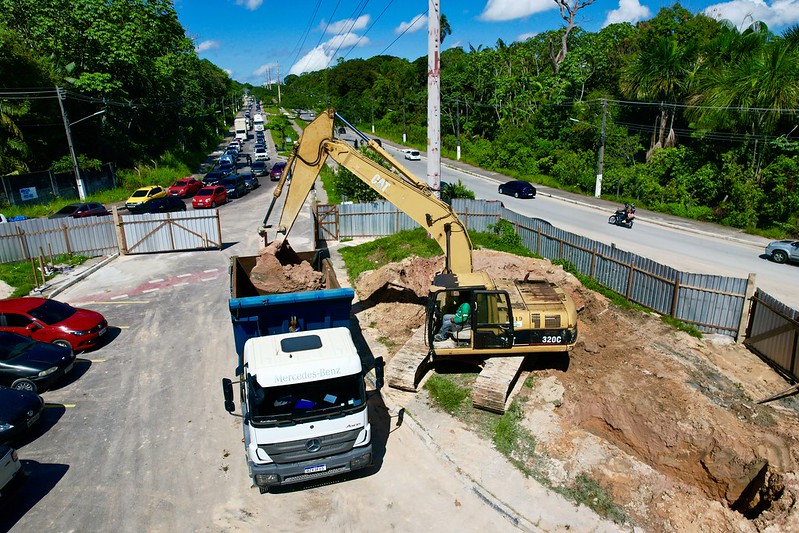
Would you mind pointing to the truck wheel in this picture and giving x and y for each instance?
(779, 256)
(24, 384)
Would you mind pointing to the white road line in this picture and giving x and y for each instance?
(118, 297)
(151, 290)
(184, 275)
(180, 284)
(211, 270)
(159, 280)
(207, 279)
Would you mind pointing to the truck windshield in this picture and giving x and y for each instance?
(304, 401)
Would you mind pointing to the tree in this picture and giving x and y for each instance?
(568, 12)
(444, 28)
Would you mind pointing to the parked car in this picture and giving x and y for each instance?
(413, 155)
(518, 189)
(19, 411)
(277, 170)
(10, 469)
(26, 364)
(167, 204)
(52, 321)
(250, 181)
(235, 186)
(185, 187)
(209, 197)
(258, 168)
(783, 251)
(214, 177)
(145, 194)
(81, 210)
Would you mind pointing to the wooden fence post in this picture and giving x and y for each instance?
(744, 320)
(630, 280)
(675, 298)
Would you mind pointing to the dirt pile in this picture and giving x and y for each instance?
(666, 423)
(279, 269)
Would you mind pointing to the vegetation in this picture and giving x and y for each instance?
(698, 115)
(20, 275)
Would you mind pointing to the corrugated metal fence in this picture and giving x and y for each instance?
(773, 333)
(714, 304)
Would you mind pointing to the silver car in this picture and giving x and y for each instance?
(783, 251)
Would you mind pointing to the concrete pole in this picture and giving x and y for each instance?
(434, 96)
(601, 154)
(278, 85)
(458, 128)
(78, 179)
(404, 127)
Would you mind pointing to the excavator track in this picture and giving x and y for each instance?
(496, 384)
(407, 370)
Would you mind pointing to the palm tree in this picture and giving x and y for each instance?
(12, 146)
(658, 74)
(444, 28)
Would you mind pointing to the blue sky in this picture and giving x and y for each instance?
(252, 39)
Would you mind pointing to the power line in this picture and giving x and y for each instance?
(301, 41)
(367, 30)
(413, 22)
(354, 18)
(328, 24)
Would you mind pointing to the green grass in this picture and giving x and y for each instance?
(589, 492)
(447, 395)
(375, 254)
(20, 276)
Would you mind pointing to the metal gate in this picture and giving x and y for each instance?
(326, 216)
(149, 233)
(773, 333)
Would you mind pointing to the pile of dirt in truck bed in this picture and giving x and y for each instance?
(278, 269)
(666, 423)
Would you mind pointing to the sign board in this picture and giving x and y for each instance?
(28, 193)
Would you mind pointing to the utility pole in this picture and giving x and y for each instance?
(373, 115)
(78, 179)
(278, 84)
(601, 154)
(404, 127)
(434, 96)
(458, 127)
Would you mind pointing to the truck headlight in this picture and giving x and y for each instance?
(263, 480)
(361, 461)
(47, 372)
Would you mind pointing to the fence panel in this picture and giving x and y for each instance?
(91, 236)
(773, 333)
(186, 230)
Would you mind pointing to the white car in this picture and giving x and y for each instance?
(261, 154)
(10, 467)
(413, 155)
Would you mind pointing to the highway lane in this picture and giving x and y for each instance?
(682, 244)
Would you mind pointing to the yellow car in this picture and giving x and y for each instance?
(145, 194)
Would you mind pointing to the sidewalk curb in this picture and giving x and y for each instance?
(81, 275)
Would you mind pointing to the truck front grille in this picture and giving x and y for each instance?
(297, 450)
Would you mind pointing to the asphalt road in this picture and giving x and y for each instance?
(137, 438)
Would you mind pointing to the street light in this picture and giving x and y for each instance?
(67, 125)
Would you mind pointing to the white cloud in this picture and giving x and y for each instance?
(228, 71)
(742, 13)
(263, 70)
(524, 36)
(206, 45)
(629, 11)
(347, 25)
(499, 10)
(252, 5)
(419, 22)
(321, 56)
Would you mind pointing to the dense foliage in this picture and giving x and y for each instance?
(130, 58)
(700, 118)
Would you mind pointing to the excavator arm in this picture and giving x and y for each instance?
(413, 196)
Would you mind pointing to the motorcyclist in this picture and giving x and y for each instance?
(629, 209)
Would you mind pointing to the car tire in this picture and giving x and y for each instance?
(778, 256)
(213, 205)
(500, 191)
(515, 195)
(24, 384)
(63, 343)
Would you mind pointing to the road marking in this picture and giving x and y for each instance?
(185, 275)
(120, 296)
(207, 279)
(180, 284)
(97, 360)
(126, 302)
(54, 405)
(151, 290)
(158, 280)
(211, 270)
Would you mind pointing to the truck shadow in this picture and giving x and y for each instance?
(39, 480)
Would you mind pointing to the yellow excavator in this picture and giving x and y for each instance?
(506, 318)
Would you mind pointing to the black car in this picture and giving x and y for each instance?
(258, 168)
(167, 204)
(250, 181)
(19, 410)
(214, 177)
(235, 186)
(26, 364)
(518, 189)
(86, 209)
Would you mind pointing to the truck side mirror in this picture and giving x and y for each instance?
(379, 372)
(227, 390)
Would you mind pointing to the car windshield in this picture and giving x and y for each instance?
(139, 193)
(68, 210)
(180, 183)
(52, 312)
(303, 401)
(205, 192)
(12, 345)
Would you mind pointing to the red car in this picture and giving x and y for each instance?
(185, 187)
(52, 321)
(210, 196)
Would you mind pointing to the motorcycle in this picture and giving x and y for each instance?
(623, 217)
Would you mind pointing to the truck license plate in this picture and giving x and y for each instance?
(317, 468)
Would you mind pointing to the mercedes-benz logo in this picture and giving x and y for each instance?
(313, 445)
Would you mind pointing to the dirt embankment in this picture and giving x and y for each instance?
(667, 423)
